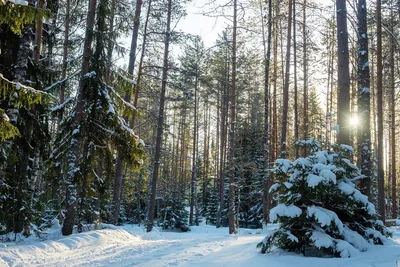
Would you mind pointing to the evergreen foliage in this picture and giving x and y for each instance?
(175, 215)
(17, 16)
(321, 212)
(212, 206)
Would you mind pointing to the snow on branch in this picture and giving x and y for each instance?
(19, 86)
(126, 103)
(62, 105)
(60, 82)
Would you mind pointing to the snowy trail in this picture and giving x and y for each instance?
(122, 247)
(204, 246)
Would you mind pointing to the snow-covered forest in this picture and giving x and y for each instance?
(126, 138)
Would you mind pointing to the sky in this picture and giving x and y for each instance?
(196, 23)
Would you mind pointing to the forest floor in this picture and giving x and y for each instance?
(202, 246)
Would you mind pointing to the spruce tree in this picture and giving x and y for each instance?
(321, 212)
(23, 130)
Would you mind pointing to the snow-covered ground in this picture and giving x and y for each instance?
(202, 246)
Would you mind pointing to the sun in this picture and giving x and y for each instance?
(354, 121)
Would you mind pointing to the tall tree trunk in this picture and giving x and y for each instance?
(193, 187)
(55, 183)
(119, 165)
(74, 153)
(223, 132)
(38, 34)
(393, 120)
(305, 76)
(296, 114)
(267, 51)
(364, 131)
(65, 61)
(274, 150)
(160, 124)
(232, 132)
(328, 116)
(182, 174)
(343, 105)
(34, 175)
(286, 85)
(138, 81)
(379, 93)
(206, 154)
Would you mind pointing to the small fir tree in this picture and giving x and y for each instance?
(175, 215)
(212, 206)
(321, 213)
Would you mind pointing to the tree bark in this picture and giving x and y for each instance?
(267, 180)
(343, 105)
(232, 132)
(274, 150)
(305, 76)
(119, 165)
(393, 120)
(193, 187)
(65, 60)
(160, 123)
(138, 81)
(379, 99)
(286, 84)
(296, 113)
(364, 131)
(74, 153)
(223, 134)
(38, 34)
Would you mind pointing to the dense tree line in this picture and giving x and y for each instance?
(172, 138)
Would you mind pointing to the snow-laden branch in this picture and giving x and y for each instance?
(61, 81)
(20, 86)
(126, 103)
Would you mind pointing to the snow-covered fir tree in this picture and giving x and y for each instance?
(212, 206)
(321, 212)
(175, 215)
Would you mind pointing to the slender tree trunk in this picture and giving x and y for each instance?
(379, 92)
(274, 150)
(374, 108)
(232, 132)
(65, 59)
(35, 176)
(364, 131)
(305, 76)
(182, 150)
(74, 153)
(160, 123)
(267, 182)
(332, 70)
(138, 81)
(221, 160)
(343, 74)
(224, 125)
(194, 167)
(38, 35)
(206, 153)
(393, 121)
(328, 116)
(119, 165)
(286, 85)
(110, 47)
(296, 113)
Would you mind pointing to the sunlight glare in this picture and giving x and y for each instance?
(354, 121)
